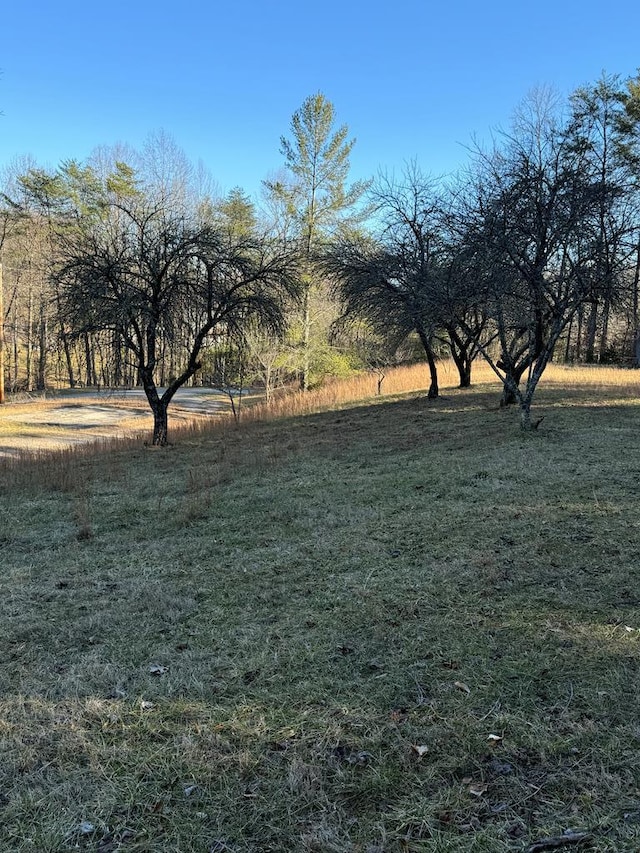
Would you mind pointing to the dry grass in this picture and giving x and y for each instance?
(415, 379)
(25, 429)
(238, 643)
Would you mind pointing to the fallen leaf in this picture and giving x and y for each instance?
(477, 789)
(420, 749)
(462, 686)
(398, 715)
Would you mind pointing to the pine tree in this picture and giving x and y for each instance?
(315, 196)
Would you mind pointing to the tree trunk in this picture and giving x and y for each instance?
(306, 339)
(567, 349)
(463, 365)
(461, 358)
(16, 351)
(68, 359)
(41, 381)
(431, 361)
(29, 348)
(117, 359)
(267, 384)
(578, 351)
(592, 328)
(511, 383)
(2, 395)
(525, 415)
(160, 423)
(88, 357)
(158, 405)
(636, 318)
(604, 335)
(160, 428)
(434, 391)
(508, 397)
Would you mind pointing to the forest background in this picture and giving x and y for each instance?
(129, 268)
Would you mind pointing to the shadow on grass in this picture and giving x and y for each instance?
(401, 626)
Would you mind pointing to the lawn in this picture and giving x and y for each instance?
(397, 626)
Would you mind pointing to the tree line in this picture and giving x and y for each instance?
(129, 269)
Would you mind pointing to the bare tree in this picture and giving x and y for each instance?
(153, 275)
(269, 361)
(394, 279)
(598, 126)
(533, 225)
(30, 309)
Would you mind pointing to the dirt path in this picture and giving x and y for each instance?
(70, 418)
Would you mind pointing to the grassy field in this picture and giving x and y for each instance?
(396, 626)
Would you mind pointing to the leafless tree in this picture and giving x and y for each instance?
(532, 224)
(153, 275)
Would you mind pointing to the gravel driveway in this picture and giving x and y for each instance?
(68, 418)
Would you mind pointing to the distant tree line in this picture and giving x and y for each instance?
(129, 269)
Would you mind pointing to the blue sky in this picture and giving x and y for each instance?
(411, 79)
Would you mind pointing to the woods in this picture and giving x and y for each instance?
(131, 269)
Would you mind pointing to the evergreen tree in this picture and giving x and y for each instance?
(315, 197)
(236, 214)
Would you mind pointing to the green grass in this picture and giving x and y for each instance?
(321, 590)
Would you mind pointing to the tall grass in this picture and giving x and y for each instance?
(362, 386)
(415, 378)
(398, 381)
(592, 377)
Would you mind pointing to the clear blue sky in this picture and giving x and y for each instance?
(411, 78)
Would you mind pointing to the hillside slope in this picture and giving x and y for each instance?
(402, 626)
